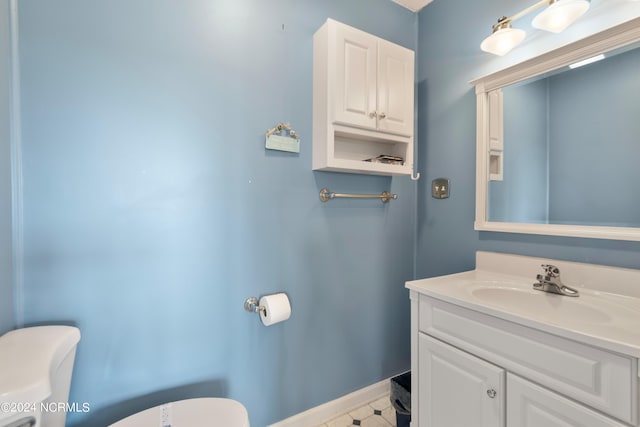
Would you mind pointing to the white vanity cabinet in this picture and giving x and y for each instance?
(475, 365)
(459, 389)
(363, 101)
(468, 367)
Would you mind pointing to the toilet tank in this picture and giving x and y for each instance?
(35, 374)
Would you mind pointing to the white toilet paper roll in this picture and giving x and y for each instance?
(276, 308)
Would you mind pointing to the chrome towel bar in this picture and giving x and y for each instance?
(326, 195)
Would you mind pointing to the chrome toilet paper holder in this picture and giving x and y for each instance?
(251, 305)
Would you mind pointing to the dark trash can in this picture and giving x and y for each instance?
(400, 396)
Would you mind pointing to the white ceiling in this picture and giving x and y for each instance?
(414, 5)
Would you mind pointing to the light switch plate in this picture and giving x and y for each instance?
(440, 188)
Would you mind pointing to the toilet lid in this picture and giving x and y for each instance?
(190, 412)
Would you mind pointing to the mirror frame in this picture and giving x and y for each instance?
(601, 42)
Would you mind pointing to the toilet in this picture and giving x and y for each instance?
(35, 374)
(208, 411)
(36, 364)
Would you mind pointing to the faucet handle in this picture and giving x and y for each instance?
(551, 270)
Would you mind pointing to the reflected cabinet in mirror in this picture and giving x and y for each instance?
(558, 142)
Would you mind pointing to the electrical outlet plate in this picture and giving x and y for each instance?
(440, 188)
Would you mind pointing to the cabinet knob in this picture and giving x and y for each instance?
(373, 114)
(382, 115)
(491, 393)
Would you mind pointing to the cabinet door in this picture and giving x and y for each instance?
(530, 405)
(356, 77)
(395, 110)
(457, 389)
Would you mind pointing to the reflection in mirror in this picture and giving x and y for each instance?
(571, 147)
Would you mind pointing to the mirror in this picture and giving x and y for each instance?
(572, 146)
(559, 148)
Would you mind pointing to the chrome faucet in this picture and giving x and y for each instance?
(550, 282)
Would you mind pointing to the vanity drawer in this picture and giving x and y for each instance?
(606, 381)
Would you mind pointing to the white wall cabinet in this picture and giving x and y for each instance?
(363, 101)
(478, 370)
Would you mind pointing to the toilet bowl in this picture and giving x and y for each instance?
(208, 411)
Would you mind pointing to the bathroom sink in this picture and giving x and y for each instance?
(550, 306)
(606, 313)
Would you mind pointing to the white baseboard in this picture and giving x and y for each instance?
(327, 411)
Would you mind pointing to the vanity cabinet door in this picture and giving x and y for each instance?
(533, 406)
(457, 389)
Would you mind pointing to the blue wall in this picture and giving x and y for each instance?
(152, 209)
(6, 279)
(447, 139)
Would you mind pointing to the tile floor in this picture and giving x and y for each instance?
(379, 413)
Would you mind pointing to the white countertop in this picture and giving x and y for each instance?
(602, 317)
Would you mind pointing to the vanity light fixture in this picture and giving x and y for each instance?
(557, 16)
